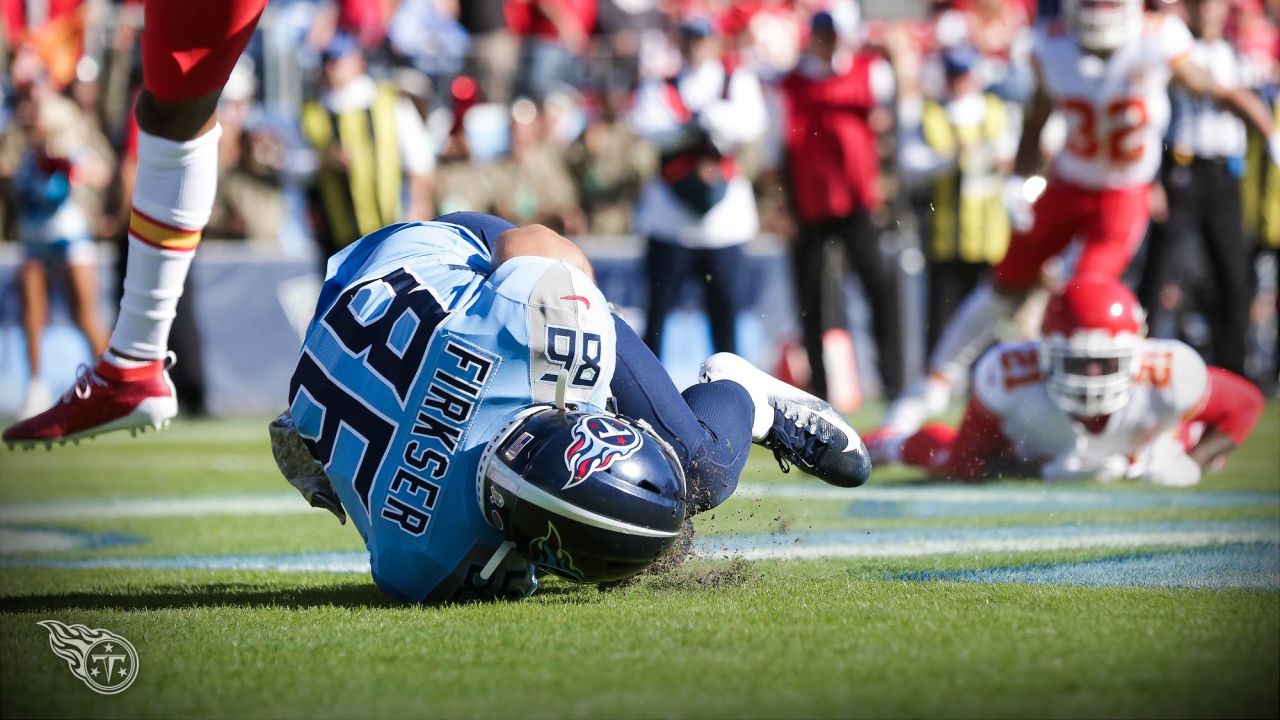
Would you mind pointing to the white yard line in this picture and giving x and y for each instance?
(287, 503)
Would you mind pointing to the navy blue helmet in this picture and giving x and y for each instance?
(591, 496)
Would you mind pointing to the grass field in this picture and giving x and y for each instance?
(898, 599)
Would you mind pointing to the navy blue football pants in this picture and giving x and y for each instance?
(708, 425)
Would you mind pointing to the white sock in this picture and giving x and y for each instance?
(763, 421)
(171, 204)
(971, 329)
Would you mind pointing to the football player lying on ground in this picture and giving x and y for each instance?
(1093, 399)
(465, 395)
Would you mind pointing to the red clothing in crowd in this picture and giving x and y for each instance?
(527, 17)
(365, 19)
(831, 149)
(16, 21)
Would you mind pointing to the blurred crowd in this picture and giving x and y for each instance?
(346, 115)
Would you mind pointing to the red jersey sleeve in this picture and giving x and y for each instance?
(1231, 404)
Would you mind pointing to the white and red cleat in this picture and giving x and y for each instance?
(104, 398)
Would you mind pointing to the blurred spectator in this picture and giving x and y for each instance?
(1261, 186)
(250, 203)
(610, 165)
(371, 150)
(1255, 32)
(465, 180)
(427, 34)
(959, 147)
(555, 35)
(833, 175)
(535, 181)
(54, 229)
(53, 30)
(623, 26)
(700, 211)
(494, 49)
(998, 29)
(364, 21)
(1201, 178)
(770, 35)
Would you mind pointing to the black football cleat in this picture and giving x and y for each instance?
(801, 429)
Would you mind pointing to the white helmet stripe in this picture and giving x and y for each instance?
(503, 476)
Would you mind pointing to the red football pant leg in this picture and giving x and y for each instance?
(1060, 213)
(1114, 231)
(190, 46)
(929, 448)
(961, 453)
(1111, 222)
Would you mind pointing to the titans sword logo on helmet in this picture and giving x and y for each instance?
(599, 441)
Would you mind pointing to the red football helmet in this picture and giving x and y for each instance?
(1092, 333)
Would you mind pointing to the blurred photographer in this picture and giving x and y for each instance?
(700, 211)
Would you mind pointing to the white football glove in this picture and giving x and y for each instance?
(1172, 468)
(1112, 469)
(1074, 466)
(1273, 147)
(1020, 195)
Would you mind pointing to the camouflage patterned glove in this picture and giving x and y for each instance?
(300, 469)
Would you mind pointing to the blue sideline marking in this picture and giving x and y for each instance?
(36, 539)
(898, 542)
(1229, 566)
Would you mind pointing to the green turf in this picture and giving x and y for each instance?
(722, 638)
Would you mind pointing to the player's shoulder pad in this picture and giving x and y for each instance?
(1004, 371)
(1174, 371)
(543, 281)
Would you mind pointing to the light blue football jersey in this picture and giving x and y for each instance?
(416, 357)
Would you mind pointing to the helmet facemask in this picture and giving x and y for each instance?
(1104, 25)
(1091, 373)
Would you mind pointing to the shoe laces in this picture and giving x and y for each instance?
(86, 379)
(792, 440)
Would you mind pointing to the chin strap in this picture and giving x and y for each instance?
(492, 566)
(562, 387)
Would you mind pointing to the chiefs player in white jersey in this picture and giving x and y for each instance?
(1105, 69)
(1093, 399)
